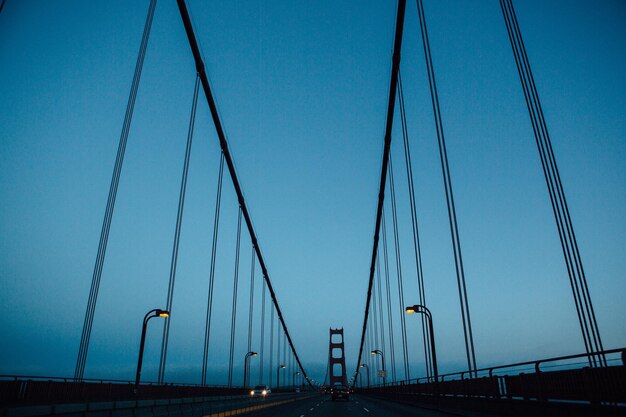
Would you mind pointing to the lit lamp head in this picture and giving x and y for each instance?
(162, 313)
(362, 365)
(282, 366)
(410, 310)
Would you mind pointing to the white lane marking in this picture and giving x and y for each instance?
(366, 409)
(311, 409)
(302, 415)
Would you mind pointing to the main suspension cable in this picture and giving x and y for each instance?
(395, 66)
(201, 70)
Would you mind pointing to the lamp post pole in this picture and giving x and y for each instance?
(418, 308)
(363, 365)
(245, 368)
(293, 379)
(382, 357)
(278, 375)
(157, 312)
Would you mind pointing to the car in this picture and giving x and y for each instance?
(261, 390)
(339, 391)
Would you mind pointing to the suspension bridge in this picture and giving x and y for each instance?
(261, 369)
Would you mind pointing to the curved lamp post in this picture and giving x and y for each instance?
(278, 375)
(245, 368)
(157, 312)
(382, 356)
(368, 373)
(418, 308)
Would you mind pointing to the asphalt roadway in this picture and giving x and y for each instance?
(358, 405)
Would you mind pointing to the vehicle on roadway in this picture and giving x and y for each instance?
(339, 391)
(261, 390)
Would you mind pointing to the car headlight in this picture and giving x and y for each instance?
(251, 392)
(264, 392)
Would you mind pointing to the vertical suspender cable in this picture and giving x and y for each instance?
(271, 355)
(284, 348)
(327, 366)
(380, 304)
(374, 324)
(414, 223)
(445, 169)
(261, 349)
(179, 221)
(233, 318)
(251, 310)
(108, 214)
(571, 253)
(373, 345)
(209, 307)
(278, 362)
(394, 212)
(392, 349)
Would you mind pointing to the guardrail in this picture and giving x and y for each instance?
(581, 384)
(16, 390)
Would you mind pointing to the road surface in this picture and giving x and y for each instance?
(358, 406)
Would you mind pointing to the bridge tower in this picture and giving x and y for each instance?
(336, 356)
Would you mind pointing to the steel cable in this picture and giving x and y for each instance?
(233, 319)
(388, 293)
(415, 226)
(261, 349)
(179, 221)
(271, 355)
(251, 310)
(209, 308)
(445, 170)
(108, 215)
(396, 238)
(567, 237)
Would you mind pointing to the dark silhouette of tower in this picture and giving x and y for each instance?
(336, 356)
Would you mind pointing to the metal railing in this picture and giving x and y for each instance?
(526, 380)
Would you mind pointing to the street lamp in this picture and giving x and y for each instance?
(380, 352)
(278, 375)
(418, 308)
(157, 312)
(293, 379)
(368, 373)
(245, 368)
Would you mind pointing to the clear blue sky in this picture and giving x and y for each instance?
(302, 91)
